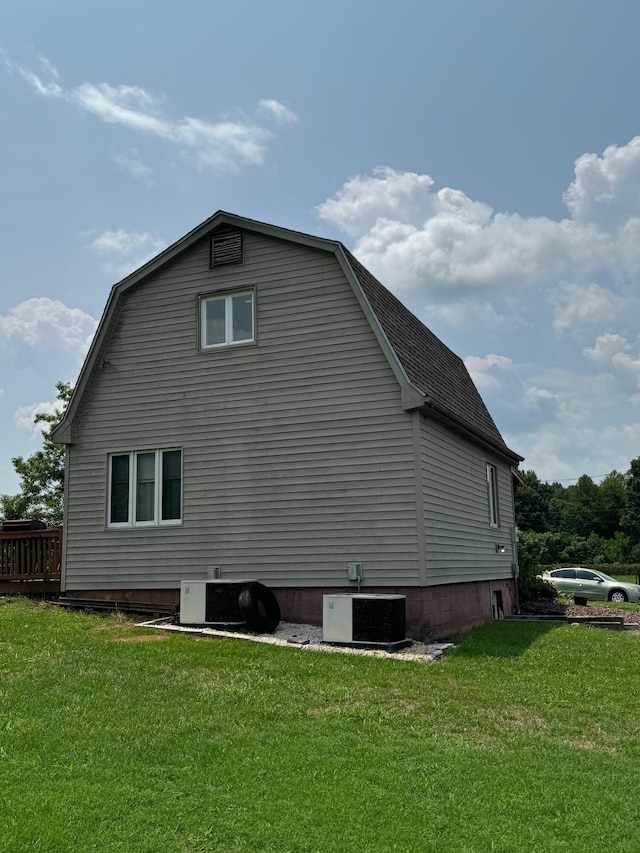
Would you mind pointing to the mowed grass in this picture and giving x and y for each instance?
(112, 738)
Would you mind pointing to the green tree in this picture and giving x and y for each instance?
(630, 519)
(619, 549)
(532, 503)
(582, 509)
(42, 473)
(613, 502)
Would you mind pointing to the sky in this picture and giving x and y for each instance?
(481, 159)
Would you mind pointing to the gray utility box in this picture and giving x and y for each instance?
(364, 620)
(211, 603)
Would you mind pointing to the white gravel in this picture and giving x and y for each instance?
(309, 638)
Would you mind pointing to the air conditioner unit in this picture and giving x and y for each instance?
(212, 603)
(364, 620)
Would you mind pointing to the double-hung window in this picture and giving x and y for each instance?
(492, 493)
(145, 488)
(227, 320)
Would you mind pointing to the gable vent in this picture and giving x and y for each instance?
(226, 248)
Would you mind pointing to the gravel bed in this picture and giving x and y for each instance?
(309, 638)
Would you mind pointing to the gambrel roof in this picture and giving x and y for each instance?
(431, 376)
(429, 364)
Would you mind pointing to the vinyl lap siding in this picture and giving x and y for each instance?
(460, 543)
(297, 456)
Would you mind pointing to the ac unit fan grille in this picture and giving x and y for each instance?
(378, 620)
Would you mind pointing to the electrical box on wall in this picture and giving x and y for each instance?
(364, 620)
(211, 602)
(354, 571)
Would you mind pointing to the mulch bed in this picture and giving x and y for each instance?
(553, 608)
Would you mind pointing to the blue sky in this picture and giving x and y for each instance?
(483, 159)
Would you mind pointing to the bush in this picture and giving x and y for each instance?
(532, 588)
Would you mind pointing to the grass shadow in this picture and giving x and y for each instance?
(503, 639)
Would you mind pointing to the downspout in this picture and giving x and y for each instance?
(65, 515)
(514, 564)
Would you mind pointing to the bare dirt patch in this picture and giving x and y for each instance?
(141, 638)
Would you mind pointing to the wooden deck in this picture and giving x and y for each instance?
(30, 562)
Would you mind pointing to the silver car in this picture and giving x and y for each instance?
(593, 585)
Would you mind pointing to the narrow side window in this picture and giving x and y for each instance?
(171, 485)
(145, 486)
(492, 492)
(119, 490)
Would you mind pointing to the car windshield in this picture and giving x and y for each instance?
(608, 577)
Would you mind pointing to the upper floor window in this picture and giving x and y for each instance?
(492, 492)
(227, 320)
(145, 488)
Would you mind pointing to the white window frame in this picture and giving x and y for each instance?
(492, 495)
(157, 520)
(227, 298)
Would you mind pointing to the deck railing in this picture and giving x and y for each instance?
(30, 555)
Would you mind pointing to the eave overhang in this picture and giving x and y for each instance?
(431, 408)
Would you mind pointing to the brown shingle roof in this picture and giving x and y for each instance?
(429, 364)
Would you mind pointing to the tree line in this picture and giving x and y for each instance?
(582, 523)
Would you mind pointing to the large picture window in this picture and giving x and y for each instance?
(145, 488)
(492, 491)
(227, 320)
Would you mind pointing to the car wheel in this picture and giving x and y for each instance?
(617, 595)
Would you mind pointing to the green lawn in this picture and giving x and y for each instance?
(526, 738)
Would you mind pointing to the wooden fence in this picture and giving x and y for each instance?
(30, 561)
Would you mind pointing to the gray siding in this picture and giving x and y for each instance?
(297, 455)
(459, 541)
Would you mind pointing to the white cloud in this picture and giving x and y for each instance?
(614, 353)
(567, 423)
(605, 189)
(124, 251)
(606, 347)
(219, 145)
(472, 312)
(48, 66)
(47, 321)
(485, 370)
(579, 305)
(132, 163)
(543, 402)
(451, 247)
(224, 145)
(628, 365)
(277, 111)
(25, 415)
(558, 452)
(400, 197)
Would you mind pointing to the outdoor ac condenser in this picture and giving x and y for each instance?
(211, 602)
(362, 619)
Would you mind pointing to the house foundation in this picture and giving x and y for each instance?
(436, 612)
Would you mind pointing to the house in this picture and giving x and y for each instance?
(254, 399)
